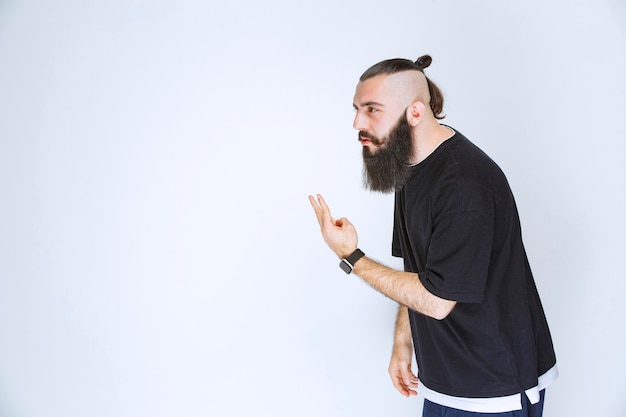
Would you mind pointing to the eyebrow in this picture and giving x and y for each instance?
(369, 104)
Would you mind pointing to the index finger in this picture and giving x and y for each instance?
(399, 384)
(321, 209)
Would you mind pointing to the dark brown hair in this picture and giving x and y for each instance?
(395, 65)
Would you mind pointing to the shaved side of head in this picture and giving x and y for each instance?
(409, 87)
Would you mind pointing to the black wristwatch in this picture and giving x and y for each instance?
(348, 264)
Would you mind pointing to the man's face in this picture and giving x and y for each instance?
(377, 111)
(386, 156)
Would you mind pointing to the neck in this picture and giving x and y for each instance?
(427, 137)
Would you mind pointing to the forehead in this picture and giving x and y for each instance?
(392, 91)
(375, 89)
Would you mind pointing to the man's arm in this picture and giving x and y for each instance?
(400, 370)
(403, 287)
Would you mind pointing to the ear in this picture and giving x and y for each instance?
(415, 112)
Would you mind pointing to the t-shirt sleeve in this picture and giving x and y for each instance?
(458, 258)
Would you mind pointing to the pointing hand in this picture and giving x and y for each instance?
(340, 235)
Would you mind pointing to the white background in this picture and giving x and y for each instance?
(159, 257)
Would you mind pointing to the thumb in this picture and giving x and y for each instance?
(344, 223)
(407, 374)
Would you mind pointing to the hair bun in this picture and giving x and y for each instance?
(423, 62)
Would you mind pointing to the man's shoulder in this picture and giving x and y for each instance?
(468, 160)
(467, 179)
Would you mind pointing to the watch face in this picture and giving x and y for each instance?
(345, 266)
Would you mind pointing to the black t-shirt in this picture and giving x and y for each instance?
(457, 226)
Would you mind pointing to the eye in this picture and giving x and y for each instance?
(372, 109)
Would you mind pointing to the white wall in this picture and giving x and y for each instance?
(158, 255)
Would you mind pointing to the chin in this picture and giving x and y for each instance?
(369, 151)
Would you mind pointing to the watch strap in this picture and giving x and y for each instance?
(347, 264)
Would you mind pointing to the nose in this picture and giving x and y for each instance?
(359, 121)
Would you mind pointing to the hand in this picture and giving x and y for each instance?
(340, 235)
(400, 371)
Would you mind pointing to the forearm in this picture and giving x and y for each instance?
(403, 287)
(402, 333)
(400, 365)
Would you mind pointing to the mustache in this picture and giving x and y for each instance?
(366, 135)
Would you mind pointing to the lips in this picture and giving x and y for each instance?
(365, 138)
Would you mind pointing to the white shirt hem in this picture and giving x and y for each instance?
(493, 404)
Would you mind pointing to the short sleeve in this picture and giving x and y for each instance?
(458, 257)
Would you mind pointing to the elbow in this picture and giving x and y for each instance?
(442, 309)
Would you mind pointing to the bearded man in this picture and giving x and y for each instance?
(468, 306)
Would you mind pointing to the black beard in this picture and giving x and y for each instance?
(387, 169)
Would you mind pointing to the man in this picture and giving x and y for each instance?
(468, 305)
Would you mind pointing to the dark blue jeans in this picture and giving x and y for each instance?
(528, 410)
